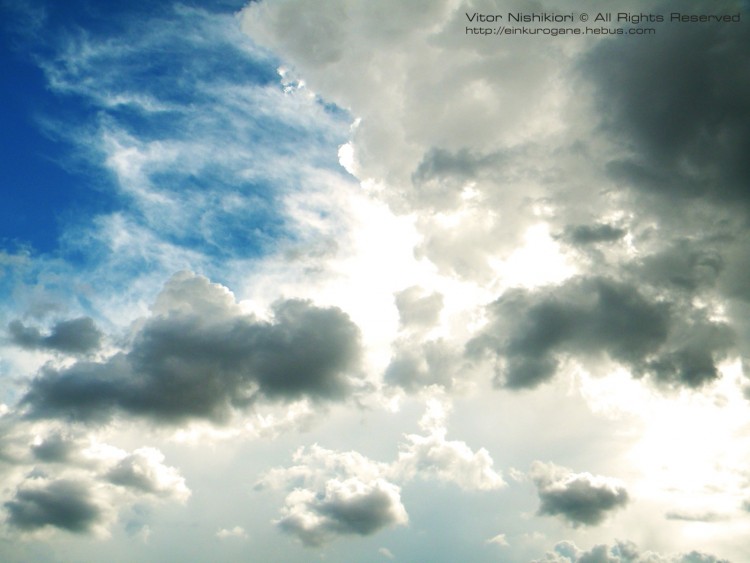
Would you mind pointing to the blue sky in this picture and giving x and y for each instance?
(143, 73)
(296, 280)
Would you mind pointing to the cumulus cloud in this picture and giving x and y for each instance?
(54, 448)
(453, 461)
(200, 356)
(530, 332)
(65, 503)
(334, 493)
(621, 552)
(578, 498)
(342, 507)
(144, 471)
(75, 336)
(69, 480)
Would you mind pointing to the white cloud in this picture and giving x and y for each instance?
(143, 470)
(499, 540)
(236, 532)
(385, 552)
(452, 461)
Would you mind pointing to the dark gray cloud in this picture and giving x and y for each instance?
(54, 448)
(203, 358)
(580, 499)
(76, 336)
(592, 234)
(530, 331)
(621, 552)
(64, 504)
(687, 265)
(680, 103)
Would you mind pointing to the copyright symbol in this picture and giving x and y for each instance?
(584, 17)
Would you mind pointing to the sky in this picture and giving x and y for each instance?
(352, 281)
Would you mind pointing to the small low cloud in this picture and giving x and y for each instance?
(385, 552)
(581, 499)
(432, 456)
(65, 504)
(621, 552)
(341, 508)
(76, 336)
(144, 471)
(499, 540)
(332, 494)
(691, 516)
(417, 309)
(53, 448)
(237, 532)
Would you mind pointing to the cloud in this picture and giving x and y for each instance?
(236, 532)
(65, 504)
(499, 540)
(449, 138)
(644, 100)
(685, 265)
(578, 498)
(76, 336)
(593, 234)
(691, 516)
(72, 481)
(200, 356)
(54, 448)
(530, 331)
(385, 552)
(621, 552)
(451, 461)
(342, 507)
(416, 365)
(417, 309)
(335, 493)
(144, 471)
